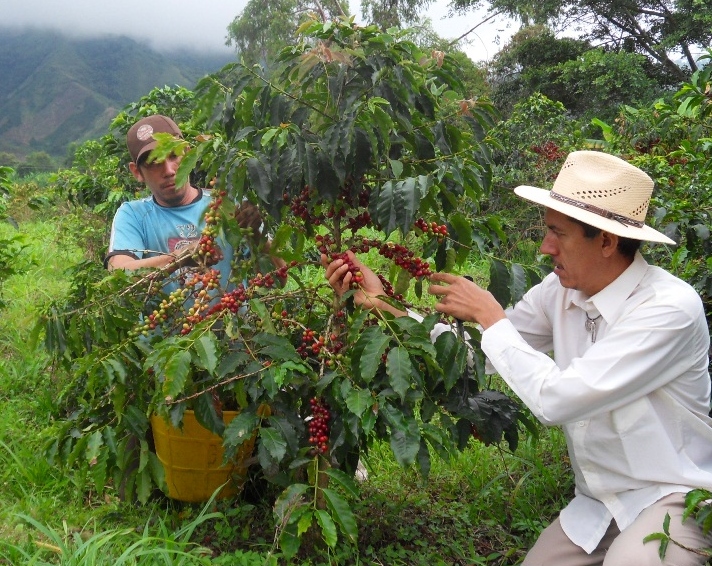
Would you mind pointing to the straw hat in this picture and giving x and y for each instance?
(603, 191)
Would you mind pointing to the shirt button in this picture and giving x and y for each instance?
(581, 423)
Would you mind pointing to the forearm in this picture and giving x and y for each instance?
(129, 263)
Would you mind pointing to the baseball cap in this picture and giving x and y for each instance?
(140, 138)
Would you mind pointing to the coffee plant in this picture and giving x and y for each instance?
(362, 142)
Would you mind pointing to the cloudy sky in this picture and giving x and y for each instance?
(201, 23)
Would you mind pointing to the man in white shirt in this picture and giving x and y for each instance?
(629, 381)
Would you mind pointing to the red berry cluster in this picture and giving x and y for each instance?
(318, 346)
(356, 273)
(363, 219)
(299, 205)
(388, 288)
(319, 425)
(230, 301)
(259, 280)
(398, 253)
(310, 343)
(438, 230)
(405, 258)
(549, 151)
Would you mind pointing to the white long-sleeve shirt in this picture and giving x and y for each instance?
(633, 406)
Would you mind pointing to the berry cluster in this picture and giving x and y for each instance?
(230, 301)
(548, 151)
(405, 258)
(319, 347)
(299, 205)
(199, 285)
(312, 210)
(398, 253)
(319, 425)
(356, 222)
(208, 252)
(437, 230)
(388, 289)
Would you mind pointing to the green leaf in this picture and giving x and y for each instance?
(207, 415)
(260, 178)
(288, 500)
(359, 400)
(398, 203)
(367, 352)
(207, 347)
(240, 429)
(96, 441)
(344, 480)
(303, 517)
(499, 283)
(176, 371)
(328, 527)
(144, 485)
(274, 443)
(278, 348)
(447, 349)
(186, 167)
(341, 513)
(261, 310)
(98, 471)
(405, 435)
(400, 370)
(518, 284)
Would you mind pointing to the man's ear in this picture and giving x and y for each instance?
(136, 172)
(609, 243)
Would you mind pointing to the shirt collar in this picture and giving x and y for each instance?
(609, 301)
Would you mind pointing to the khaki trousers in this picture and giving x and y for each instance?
(553, 548)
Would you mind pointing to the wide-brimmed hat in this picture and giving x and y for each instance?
(140, 138)
(603, 191)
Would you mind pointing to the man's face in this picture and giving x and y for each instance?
(160, 179)
(576, 258)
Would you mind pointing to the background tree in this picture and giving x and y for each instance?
(8, 159)
(659, 29)
(387, 13)
(264, 27)
(588, 81)
(36, 162)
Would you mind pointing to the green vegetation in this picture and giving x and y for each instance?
(483, 506)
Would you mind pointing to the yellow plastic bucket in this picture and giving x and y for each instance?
(192, 459)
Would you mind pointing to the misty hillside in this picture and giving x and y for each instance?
(55, 90)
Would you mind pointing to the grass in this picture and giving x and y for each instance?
(483, 506)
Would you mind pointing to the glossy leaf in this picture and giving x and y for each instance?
(328, 527)
(400, 370)
(341, 514)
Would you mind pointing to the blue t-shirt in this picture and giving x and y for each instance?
(143, 228)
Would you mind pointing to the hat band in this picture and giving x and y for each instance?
(600, 211)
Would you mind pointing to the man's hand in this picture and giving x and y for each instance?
(465, 300)
(340, 276)
(184, 256)
(248, 217)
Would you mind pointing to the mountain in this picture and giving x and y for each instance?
(56, 90)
